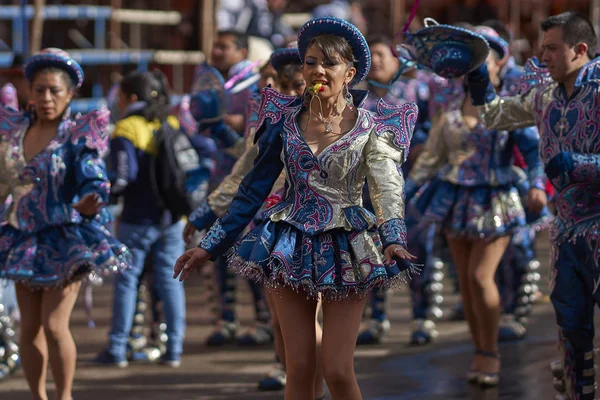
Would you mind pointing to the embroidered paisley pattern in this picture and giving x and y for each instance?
(213, 236)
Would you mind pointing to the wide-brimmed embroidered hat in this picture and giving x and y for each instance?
(53, 57)
(447, 50)
(285, 56)
(338, 27)
(494, 40)
(209, 100)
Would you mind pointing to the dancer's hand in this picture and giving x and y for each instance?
(536, 200)
(188, 232)
(189, 261)
(88, 205)
(397, 251)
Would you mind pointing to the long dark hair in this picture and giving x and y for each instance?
(152, 88)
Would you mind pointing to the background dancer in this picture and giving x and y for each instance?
(47, 159)
(474, 198)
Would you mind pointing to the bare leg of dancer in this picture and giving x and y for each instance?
(319, 378)
(277, 337)
(460, 250)
(297, 320)
(56, 312)
(341, 322)
(32, 346)
(483, 262)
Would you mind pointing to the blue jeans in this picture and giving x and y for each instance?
(166, 245)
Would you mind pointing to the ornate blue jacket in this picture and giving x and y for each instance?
(569, 138)
(323, 191)
(44, 187)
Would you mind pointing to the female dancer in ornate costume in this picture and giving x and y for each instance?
(564, 110)
(287, 64)
(318, 239)
(47, 241)
(474, 197)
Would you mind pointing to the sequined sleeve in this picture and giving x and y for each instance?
(91, 141)
(91, 175)
(509, 113)
(586, 167)
(252, 192)
(386, 186)
(513, 112)
(434, 155)
(527, 140)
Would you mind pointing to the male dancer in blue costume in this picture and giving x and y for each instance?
(565, 111)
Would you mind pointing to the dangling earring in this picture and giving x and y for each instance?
(67, 113)
(306, 96)
(348, 97)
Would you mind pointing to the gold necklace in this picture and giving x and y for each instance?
(326, 124)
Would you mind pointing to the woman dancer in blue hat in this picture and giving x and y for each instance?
(319, 239)
(50, 238)
(472, 193)
(290, 82)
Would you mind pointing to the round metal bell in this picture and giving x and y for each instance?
(2, 308)
(534, 288)
(141, 307)
(163, 337)
(438, 264)
(434, 313)
(9, 333)
(152, 353)
(138, 319)
(13, 361)
(434, 288)
(533, 265)
(2, 353)
(525, 289)
(437, 276)
(11, 348)
(437, 299)
(163, 326)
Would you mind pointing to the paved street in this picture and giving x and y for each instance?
(389, 371)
